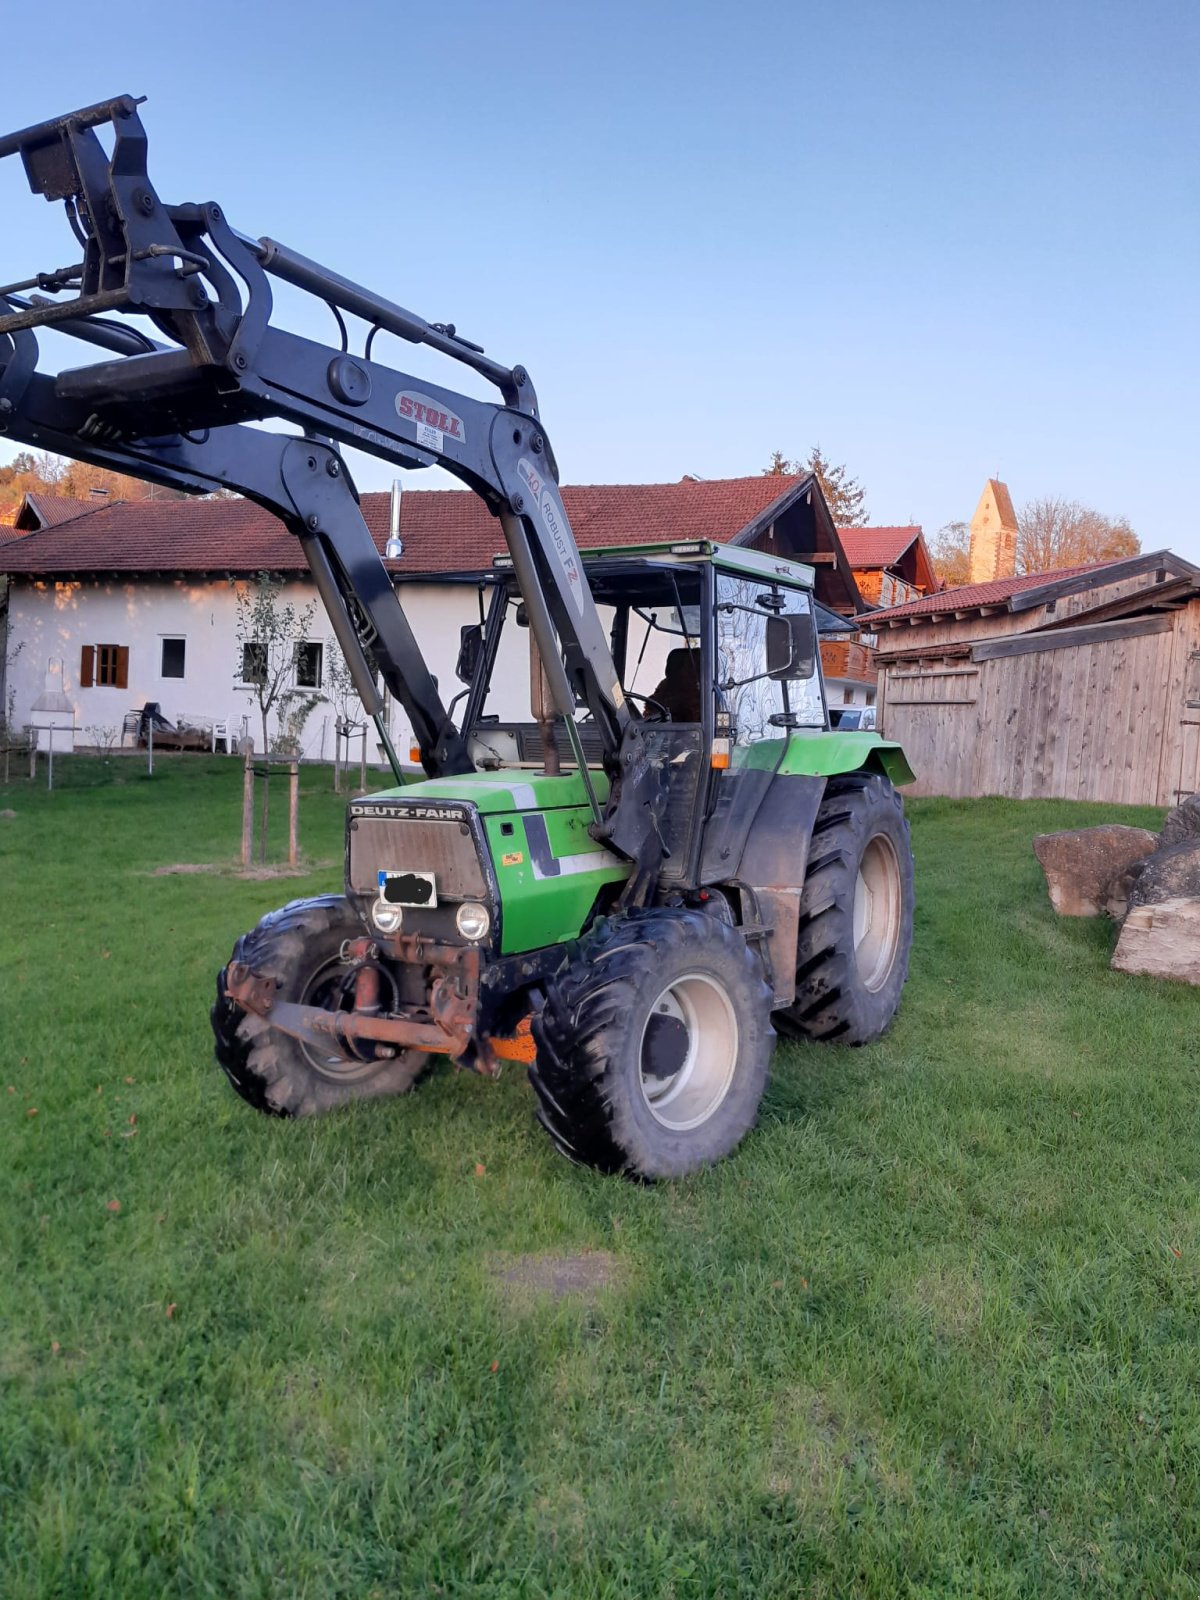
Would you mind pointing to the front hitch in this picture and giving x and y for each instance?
(452, 1033)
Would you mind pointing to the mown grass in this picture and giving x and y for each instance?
(932, 1331)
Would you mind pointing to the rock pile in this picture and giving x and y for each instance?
(1149, 882)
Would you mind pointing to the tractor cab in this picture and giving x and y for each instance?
(715, 649)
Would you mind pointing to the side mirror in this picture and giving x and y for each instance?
(470, 652)
(791, 646)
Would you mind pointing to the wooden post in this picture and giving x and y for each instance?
(293, 811)
(264, 820)
(248, 807)
(32, 753)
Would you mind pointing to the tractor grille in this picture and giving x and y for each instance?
(382, 838)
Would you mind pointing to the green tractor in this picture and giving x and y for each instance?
(634, 887)
(483, 908)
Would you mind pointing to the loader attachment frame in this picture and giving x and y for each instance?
(179, 410)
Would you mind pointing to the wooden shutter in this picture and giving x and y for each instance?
(122, 666)
(86, 660)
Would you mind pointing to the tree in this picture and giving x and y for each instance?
(7, 661)
(267, 631)
(844, 495)
(29, 473)
(81, 481)
(1053, 532)
(347, 707)
(950, 552)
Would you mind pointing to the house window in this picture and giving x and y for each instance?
(847, 697)
(174, 653)
(104, 666)
(254, 662)
(310, 663)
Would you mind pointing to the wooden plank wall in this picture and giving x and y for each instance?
(1104, 718)
(972, 628)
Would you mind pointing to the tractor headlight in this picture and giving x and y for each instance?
(387, 917)
(473, 920)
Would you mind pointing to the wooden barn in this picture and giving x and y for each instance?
(1079, 684)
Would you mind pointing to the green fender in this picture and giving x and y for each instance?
(826, 755)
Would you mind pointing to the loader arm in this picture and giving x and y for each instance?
(180, 410)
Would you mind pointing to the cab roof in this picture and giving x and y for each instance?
(726, 558)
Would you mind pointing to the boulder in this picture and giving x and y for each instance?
(1161, 941)
(1172, 873)
(1183, 823)
(1085, 867)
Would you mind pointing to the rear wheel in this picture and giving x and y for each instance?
(300, 947)
(653, 1045)
(855, 915)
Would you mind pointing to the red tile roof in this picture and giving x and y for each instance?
(876, 547)
(48, 510)
(443, 530)
(970, 596)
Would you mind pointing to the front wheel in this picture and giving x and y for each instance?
(653, 1045)
(856, 915)
(300, 947)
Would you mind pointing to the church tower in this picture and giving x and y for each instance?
(993, 535)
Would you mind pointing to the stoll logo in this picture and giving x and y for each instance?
(419, 408)
(561, 541)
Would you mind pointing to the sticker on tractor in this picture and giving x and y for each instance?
(514, 858)
(432, 421)
(554, 521)
(408, 888)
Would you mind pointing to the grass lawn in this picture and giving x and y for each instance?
(933, 1331)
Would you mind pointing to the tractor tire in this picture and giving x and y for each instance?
(856, 915)
(653, 1045)
(300, 947)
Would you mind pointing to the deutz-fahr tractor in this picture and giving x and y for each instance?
(630, 879)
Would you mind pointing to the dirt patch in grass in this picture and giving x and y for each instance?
(524, 1277)
(251, 874)
(951, 1298)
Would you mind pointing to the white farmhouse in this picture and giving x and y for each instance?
(127, 603)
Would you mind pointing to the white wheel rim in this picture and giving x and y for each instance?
(686, 1068)
(877, 897)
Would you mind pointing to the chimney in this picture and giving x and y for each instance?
(993, 535)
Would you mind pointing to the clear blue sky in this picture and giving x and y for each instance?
(945, 240)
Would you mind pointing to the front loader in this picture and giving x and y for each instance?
(631, 883)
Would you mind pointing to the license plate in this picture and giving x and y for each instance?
(408, 888)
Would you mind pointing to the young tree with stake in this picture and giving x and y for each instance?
(268, 629)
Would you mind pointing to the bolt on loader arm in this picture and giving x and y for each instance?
(178, 410)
